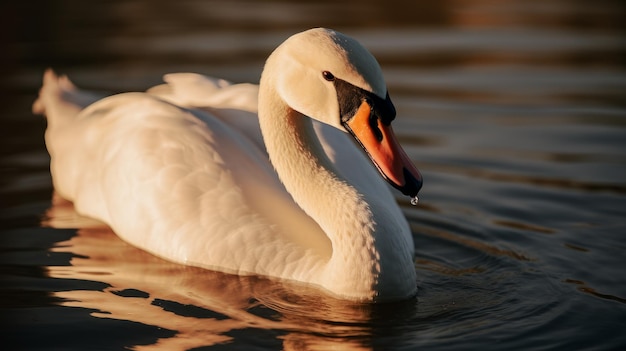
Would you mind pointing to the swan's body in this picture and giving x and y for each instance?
(181, 171)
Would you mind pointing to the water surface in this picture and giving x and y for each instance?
(514, 111)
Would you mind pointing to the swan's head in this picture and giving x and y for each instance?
(331, 77)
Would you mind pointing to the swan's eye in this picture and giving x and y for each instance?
(328, 76)
(373, 121)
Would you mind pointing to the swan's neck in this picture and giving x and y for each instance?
(338, 207)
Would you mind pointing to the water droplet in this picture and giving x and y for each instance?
(414, 201)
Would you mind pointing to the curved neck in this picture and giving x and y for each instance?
(317, 187)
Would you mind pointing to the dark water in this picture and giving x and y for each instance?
(515, 111)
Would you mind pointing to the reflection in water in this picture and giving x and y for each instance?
(585, 289)
(201, 306)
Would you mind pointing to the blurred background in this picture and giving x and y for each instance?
(515, 112)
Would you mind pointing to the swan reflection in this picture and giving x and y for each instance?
(200, 306)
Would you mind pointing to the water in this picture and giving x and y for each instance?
(515, 113)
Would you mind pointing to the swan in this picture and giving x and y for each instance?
(188, 172)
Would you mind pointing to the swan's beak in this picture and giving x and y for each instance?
(381, 145)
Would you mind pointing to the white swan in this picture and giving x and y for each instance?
(180, 171)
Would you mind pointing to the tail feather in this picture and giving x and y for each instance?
(59, 99)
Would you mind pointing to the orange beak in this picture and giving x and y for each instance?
(381, 145)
